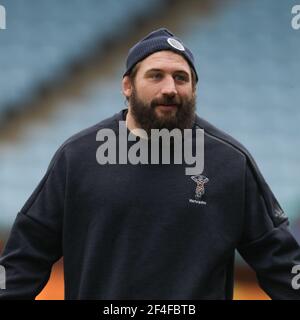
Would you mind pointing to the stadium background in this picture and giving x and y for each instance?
(61, 64)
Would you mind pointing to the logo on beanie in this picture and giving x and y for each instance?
(175, 44)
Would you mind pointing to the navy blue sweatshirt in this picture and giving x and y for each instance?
(132, 231)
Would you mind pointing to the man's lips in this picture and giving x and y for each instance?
(167, 106)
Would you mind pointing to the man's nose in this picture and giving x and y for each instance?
(169, 87)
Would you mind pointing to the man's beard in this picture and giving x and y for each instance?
(146, 117)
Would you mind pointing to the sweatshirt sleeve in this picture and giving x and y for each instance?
(267, 244)
(34, 243)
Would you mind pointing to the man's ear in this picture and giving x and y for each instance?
(194, 92)
(126, 86)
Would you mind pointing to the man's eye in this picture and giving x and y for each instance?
(179, 77)
(156, 76)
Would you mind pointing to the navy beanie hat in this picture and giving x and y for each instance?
(158, 40)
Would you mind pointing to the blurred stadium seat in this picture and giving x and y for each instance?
(44, 36)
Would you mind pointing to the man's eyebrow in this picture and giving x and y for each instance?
(161, 70)
(153, 70)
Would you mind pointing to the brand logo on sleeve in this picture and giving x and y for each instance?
(200, 180)
(278, 213)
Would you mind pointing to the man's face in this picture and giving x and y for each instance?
(162, 95)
